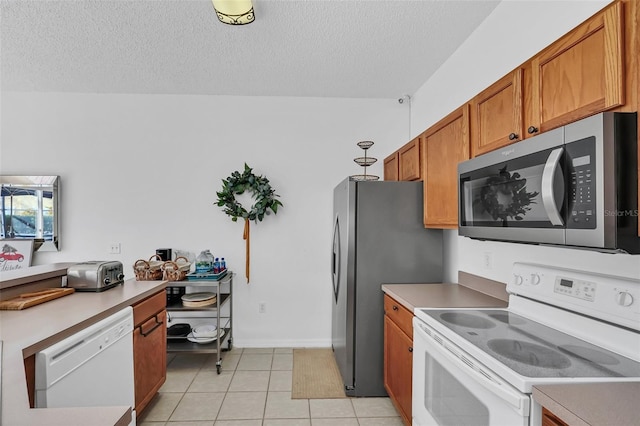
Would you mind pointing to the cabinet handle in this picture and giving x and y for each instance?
(156, 325)
(410, 349)
(513, 136)
(532, 130)
(395, 308)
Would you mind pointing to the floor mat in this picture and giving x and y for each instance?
(316, 375)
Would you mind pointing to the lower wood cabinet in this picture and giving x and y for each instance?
(149, 348)
(398, 356)
(548, 419)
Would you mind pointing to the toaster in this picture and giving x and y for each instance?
(95, 275)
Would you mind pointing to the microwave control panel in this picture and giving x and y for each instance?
(582, 184)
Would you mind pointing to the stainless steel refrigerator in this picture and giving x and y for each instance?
(378, 238)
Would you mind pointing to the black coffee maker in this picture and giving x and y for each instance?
(164, 253)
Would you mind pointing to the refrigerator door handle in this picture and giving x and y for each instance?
(335, 260)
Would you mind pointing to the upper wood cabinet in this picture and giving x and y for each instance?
(410, 161)
(445, 145)
(497, 114)
(405, 163)
(579, 75)
(391, 167)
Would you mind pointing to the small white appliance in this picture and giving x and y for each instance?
(478, 366)
(92, 368)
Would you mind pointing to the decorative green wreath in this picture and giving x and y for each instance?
(236, 184)
(507, 185)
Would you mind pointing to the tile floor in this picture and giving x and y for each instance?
(253, 389)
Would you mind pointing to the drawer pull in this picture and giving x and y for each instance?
(395, 308)
(410, 349)
(156, 325)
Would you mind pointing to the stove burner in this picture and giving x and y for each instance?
(529, 353)
(591, 355)
(508, 319)
(466, 320)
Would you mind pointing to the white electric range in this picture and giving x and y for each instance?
(478, 366)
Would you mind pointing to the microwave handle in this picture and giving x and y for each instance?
(548, 190)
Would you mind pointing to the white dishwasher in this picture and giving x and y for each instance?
(92, 368)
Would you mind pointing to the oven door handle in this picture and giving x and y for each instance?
(469, 365)
(552, 176)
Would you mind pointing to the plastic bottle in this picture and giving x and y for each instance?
(202, 263)
(223, 265)
(216, 266)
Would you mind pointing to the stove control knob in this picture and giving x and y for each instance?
(624, 298)
(535, 279)
(517, 279)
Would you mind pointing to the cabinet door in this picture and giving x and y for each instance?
(391, 167)
(409, 161)
(582, 73)
(398, 361)
(150, 358)
(445, 145)
(548, 419)
(496, 115)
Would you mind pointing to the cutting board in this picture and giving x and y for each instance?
(27, 300)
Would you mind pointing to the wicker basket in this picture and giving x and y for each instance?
(150, 270)
(176, 270)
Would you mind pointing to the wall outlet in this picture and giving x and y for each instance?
(114, 248)
(487, 260)
(262, 307)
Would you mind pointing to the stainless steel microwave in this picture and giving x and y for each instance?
(576, 186)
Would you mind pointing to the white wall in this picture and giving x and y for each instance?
(144, 170)
(512, 34)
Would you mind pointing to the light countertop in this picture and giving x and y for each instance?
(25, 332)
(592, 404)
(413, 296)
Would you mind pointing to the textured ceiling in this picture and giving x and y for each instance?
(318, 48)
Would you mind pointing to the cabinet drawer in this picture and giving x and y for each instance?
(149, 307)
(399, 315)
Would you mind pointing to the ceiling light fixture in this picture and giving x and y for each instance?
(234, 12)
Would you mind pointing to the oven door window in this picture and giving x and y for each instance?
(449, 401)
(524, 192)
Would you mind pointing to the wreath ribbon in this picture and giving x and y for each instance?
(245, 236)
